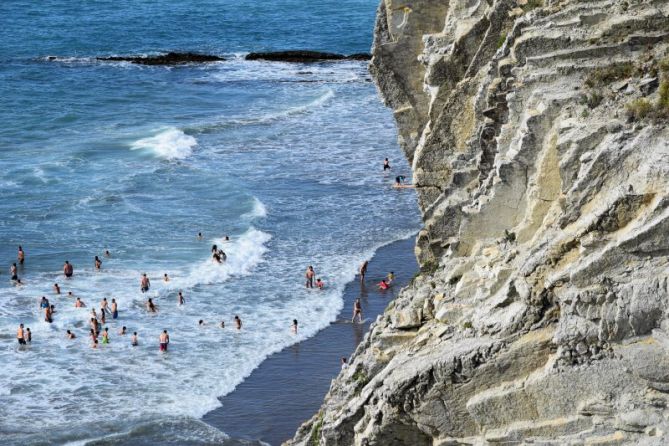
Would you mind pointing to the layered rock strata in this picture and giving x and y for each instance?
(538, 137)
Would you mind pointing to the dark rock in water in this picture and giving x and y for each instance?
(302, 56)
(359, 56)
(165, 59)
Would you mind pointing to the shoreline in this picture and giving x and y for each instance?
(288, 387)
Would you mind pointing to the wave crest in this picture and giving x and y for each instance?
(169, 144)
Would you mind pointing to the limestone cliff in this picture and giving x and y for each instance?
(538, 136)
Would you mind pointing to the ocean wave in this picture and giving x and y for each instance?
(169, 144)
(259, 210)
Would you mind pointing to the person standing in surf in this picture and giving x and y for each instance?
(164, 340)
(98, 263)
(294, 327)
(114, 309)
(68, 269)
(309, 275)
(386, 165)
(180, 298)
(133, 339)
(21, 256)
(363, 270)
(20, 335)
(144, 284)
(56, 288)
(13, 272)
(151, 308)
(238, 322)
(357, 311)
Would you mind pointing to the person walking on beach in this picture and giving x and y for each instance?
(386, 164)
(309, 275)
(98, 263)
(357, 311)
(164, 340)
(114, 309)
(68, 269)
(21, 256)
(363, 270)
(180, 299)
(13, 272)
(144, 283)
(20, 335)
(238, 322)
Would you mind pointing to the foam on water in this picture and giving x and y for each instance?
(259, 210)
(168, 144)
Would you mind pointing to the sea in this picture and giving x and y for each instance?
(285, 159)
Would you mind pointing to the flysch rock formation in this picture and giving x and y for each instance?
(537, 132)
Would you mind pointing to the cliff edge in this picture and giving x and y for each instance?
(537, 132)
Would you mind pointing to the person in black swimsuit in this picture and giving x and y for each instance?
(386, 165)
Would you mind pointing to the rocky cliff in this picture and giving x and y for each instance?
(538, 136)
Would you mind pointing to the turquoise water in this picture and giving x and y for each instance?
(284, 158)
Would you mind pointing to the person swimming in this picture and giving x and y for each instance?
(44, 303)
(70, 294)
(391, 277)
(21, 256)
(68, 269)
(107, 253)
(114, 309)
(20, 335)
(70, 335)
(386, 165)
(199, 236)
(200, 323)
(79, 303)
(294, 326)
(56, 288)
(166, 278)
(238, 322)
(29, 335)
(48, 315)
(95, 343)
(164, 340)
(122, 331)
(222, 324)
(383, 285)
(98, 263)
(319, 284)
(309, 275)
(150, 306)
(144, 284)
(357, 311)
(133, 339)
(13, 272)
(180, 298)
(226, 239)
(214, 249)
(222, 255)
(217, 257)
(104, 306)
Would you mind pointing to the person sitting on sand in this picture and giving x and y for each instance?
(144, 283)
(98, 263)
(68, 269)
(150, 306)
(319, 284)
(70, 335)
(56, 288)
(164, 340)
(357, 311)
(21, 255)
(166, 278)
(238, 322)
(79, 303)
(294, 326)
(383, 285)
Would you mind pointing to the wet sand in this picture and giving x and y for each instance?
(288, 388)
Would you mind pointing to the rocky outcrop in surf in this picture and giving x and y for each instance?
(303, 56)
(170, 58)
(538, 136)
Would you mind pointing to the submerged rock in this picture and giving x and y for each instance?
(302, 56)
(170, 58)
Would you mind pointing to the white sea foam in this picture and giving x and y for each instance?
(169, 144)
(259, 210)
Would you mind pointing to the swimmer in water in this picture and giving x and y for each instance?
(309, 275)
(294, 326)
(165, 278)
(95, 327)
(133, 339)
(391, 277)
(13, 272)
(150, 306)
(79, 303)
(104, 306)
(363, 270)
(200, 323)
(227, 239)
(357, 311)
(48, 315)
(222, 255)
(20, 335)
(56, 288)
(93, 335)
(180, 299)
(103, 317)
(29, 335)
(217, 258)
(21, 256)
(214, 249)
(164, 340)
(114, 309)
(238, 322)
(44, 303)
(383, 285)
(105, 336)
(98, 263)
(70, 294)
(222, 324)
(144, 284)
(68, 269)
(199, 236)
(122, 331)
(95, 343)
(107, 253)
(319, 284)
(70, 335)
(386, 164)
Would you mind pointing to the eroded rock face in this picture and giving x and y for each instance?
(542, 313)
